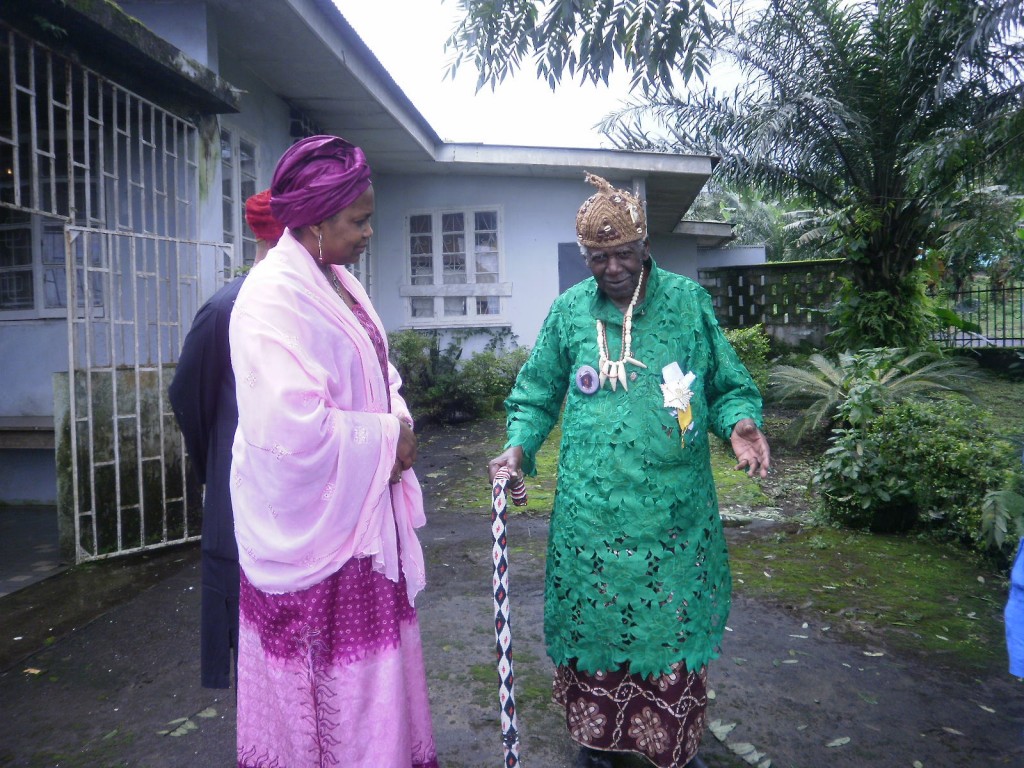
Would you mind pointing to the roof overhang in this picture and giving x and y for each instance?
(709, 234)
(102, 37)
(306, 52)
(670, 182)
(309, 55)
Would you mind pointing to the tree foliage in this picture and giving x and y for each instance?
(655, 41)
(880, 112)
(983, 230)
(757, 220)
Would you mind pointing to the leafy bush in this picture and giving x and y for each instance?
(855, 387)
(752, 345)
(1002, 512)
(495, 373)
(950, 456)
(858, 489)
(410, 352)
(937, 463)
(439, 386)
(898, 316)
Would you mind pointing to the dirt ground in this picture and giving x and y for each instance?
(104, 671)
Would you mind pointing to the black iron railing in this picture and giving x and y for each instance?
(998, 313)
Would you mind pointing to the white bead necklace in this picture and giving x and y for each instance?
(614, 371)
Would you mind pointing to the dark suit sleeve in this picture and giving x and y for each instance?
(194, 389)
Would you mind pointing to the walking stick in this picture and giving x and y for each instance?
(502, 618)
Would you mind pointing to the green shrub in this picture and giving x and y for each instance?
(410, 352)
(439, 386)
(950, 456)
(752, 345)
(495, 373)
(857, 489)
(898, 316)
(937, 464)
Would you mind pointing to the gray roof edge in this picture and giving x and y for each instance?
(573, 159)
(691, 227)
(365, 65)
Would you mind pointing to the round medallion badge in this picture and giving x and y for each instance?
(587, 380)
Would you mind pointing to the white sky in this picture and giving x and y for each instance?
(408, 37)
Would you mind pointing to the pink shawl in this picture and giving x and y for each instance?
(315, 446)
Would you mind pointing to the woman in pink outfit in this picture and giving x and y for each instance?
(330, 669)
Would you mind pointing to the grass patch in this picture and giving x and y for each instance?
(470, 492)
(1004, 397)
(913, 594)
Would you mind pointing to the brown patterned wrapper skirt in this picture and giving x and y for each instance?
(661, 718)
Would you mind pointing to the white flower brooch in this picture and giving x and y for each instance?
(677, 392)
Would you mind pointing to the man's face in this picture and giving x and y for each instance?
(618, 269)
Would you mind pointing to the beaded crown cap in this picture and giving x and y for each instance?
(610, 217)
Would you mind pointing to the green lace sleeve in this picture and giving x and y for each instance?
(536, 399)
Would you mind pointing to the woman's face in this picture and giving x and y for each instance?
(347, 233)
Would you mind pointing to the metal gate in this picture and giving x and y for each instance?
(134, 297)
(108, 184)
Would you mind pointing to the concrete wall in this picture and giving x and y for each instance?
(536, 215)
(680, 254)
(28, 477)
(32, 351)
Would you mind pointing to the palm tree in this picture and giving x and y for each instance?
(880, 112)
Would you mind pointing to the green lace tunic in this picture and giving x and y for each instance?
(637, 568)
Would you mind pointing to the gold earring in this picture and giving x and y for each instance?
(320, 246)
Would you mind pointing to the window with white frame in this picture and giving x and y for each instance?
(455, 268)
(33, 273)
(238, 184)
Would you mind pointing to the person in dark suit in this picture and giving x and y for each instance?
(202, 395)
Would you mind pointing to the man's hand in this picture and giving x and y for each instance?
(512, 460)
(751, 448)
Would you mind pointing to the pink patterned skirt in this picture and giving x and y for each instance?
(332, 676)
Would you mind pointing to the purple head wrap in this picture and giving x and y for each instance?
(315, 178)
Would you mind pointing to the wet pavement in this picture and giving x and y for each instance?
(99, 668)
(28, 546)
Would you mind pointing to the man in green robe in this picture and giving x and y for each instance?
(638, 585)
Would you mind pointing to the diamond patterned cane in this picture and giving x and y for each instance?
(502, 618)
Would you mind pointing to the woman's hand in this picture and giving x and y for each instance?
(405, 455)
(751, 448)
(511, 459)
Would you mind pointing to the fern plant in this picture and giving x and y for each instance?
(858, 384)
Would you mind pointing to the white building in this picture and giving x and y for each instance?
(130, 137)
